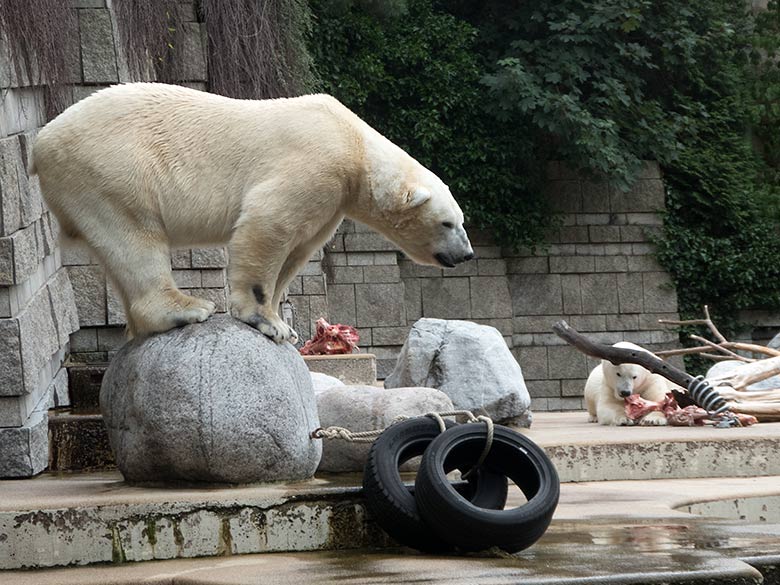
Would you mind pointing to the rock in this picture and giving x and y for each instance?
(322, 382)
(213, 402)
(730, 367)
(775, 343)
(470, 363)
(368, 408)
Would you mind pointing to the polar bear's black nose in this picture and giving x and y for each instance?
(468, 257)
(625, 393)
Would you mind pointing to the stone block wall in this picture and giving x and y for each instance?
(599, 273)
(37, 305)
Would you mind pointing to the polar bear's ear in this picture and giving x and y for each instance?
(416, 196)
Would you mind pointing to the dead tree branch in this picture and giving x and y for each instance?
(619, 355)
(706, 321)
(720, 348)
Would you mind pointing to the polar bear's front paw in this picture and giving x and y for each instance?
(618, 421)
(276, 330)
(654, 419)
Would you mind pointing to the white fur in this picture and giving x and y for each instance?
(138, 169)
(602, 390)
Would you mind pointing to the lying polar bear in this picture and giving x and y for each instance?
(135, 170)
(608, 385)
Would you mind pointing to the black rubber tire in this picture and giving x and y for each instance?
(467, 527)
(393, 504)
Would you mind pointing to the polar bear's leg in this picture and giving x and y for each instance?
(609, 413)
(139, 265)
(256, 259)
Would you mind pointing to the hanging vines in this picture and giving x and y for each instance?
(151, 36)
(257, 48)
(39, 37)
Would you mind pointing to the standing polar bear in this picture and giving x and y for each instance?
(137, 169)
(608, 385)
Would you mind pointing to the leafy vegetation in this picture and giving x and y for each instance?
(486, 92)
(415, 73)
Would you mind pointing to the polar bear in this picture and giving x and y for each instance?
(608, 385)
(135, 170)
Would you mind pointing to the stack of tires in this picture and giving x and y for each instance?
(438, 516)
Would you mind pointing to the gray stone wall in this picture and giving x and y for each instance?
(46, 292)
(599, 273)
(37, 306)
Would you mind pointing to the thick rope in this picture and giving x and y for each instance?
(488, 444)
(371, 436)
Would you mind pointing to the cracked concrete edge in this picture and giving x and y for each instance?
(71, 536)
(666, 460)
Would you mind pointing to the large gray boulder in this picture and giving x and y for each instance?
(211, 402)
(368, 408)
(731, 367)
(775, 342)
(470, 363)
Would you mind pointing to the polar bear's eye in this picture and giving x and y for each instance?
(448, 225)
(618, 374)
(634, 377)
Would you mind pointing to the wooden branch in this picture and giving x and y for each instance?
(620, 355)
(721, 348)
(752, 348)
(716, 358)
(764, 411)
(749, 347)
(732, 394)
(682, 351)
(706, 321)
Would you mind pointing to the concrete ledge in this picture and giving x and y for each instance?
(585, 451)
(96, 518)
(356, 368)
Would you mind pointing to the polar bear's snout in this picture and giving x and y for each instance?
(456, 248)
(625, 381)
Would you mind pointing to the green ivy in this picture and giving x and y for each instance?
(486, 92)
(417, 78)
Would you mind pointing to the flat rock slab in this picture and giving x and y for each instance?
(355, 368)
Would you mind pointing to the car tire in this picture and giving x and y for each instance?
(456, 520)
(392, 503)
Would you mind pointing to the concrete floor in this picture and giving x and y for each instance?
(631, 531)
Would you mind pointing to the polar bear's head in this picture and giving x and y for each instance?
(625, 379)
(422, 217)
